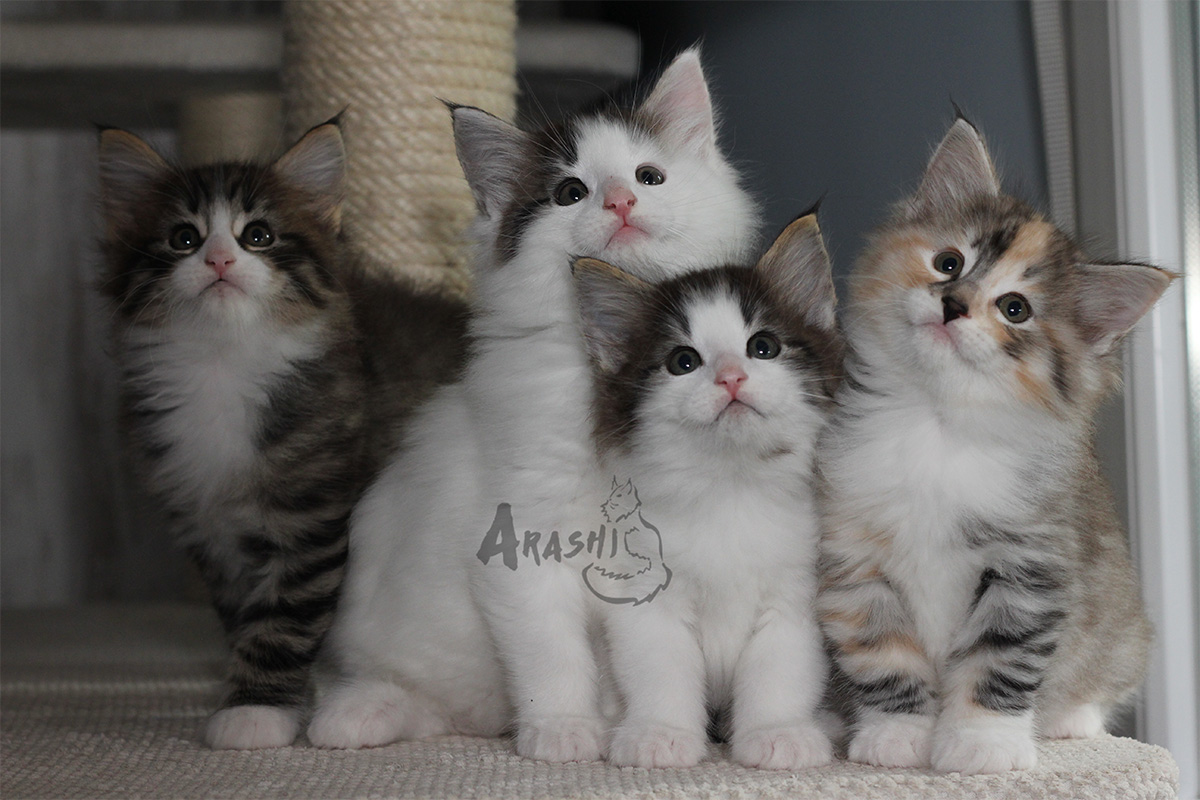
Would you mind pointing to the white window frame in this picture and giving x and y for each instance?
(1161, 483)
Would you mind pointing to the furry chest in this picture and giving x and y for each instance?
(907, 471)
(202, 424)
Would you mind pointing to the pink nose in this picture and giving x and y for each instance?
(731, 377)
(619, 200)
(219, 260)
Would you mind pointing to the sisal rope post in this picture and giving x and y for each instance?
(386, 62)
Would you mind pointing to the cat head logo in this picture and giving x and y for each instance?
(626, 552)
(635, 572)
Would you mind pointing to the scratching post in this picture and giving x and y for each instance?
(387, 62)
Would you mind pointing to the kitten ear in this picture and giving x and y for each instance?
(490, 151)
(679, 106)
(1113, 297)
(960, 169)
(316, 166)
(611, 305)
(129, 169)
(798, 267)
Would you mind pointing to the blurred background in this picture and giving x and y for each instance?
(1089, 109)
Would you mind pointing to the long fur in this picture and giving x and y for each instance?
(430, 640)
(722, 462)
(976, 584)
(260, 397)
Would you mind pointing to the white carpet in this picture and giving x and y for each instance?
(108, 703)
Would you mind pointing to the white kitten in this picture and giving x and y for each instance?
(711, 391)
(429, 639)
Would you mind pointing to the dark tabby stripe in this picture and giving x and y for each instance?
(895, 694)
(1015, 618)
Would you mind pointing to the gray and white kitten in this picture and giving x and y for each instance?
(976, 586)
(429, 640)
(263, 378)
(711, 391)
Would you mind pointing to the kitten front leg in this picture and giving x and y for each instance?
(539, 624)
(660, 673)
(888, 671)
(275, 634)
(994, 672)
(779, 682)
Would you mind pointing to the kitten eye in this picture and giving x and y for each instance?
(683, 360)
(184, 238)
(570, 191)
(257, 234)
(649, 175)
(762, 345)
(1014, 307)
(948, 262)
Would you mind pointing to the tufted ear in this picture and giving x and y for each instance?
(798, 267)
(315, 166)
(959, 170)
(680, 106)
(612, 304)
(1113, 297)
(129, 170)
(490, 151)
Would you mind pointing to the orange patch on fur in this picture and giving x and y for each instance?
(893, 643)
(1035, 391)
(1030, 242)
(895, 262)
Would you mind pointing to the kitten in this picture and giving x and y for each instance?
(430, 640)
(262, 380)
(711, 391)
(976, 583)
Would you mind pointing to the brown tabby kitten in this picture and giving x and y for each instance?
(977, 587)
(264, 376)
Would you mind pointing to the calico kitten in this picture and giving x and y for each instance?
(263, 377)
(711, 391)
(976, 585)
(429, 639)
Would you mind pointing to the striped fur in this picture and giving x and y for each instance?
(260, 395)
(976, 584)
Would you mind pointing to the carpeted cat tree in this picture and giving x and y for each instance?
(109, 703)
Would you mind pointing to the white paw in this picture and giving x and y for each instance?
(350, 718)
(650, 745)
(252, 728)
(893, 740)
(984, 745)
(783, 748)
(1081, 722)
(561, 739)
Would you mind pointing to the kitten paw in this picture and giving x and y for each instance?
(354, 717)
(1081, 722)
(987, 745)
(650, 745)
(252, 728)
(561, 739)
(783, 748)
(894, 740)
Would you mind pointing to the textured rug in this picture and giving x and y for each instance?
(109, 702)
